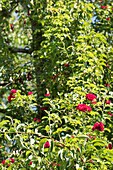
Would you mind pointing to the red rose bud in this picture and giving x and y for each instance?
(30, 163)
(47, 145)
(47, 94)
(3, 162)
(91, 161)
(102, 7)
(110, 113)
(107, 102)
(29, 93)
(94, 102)
(66, 64)
(24, 21)
(110, 146)
(14, 91)
(38, 120)
(78, 149)
(12, 27)
(108, 19)
(34, 119)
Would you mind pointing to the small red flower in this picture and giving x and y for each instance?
(110, 113)
(107, 102)
(38, 120)
(37, 85)
(34, 119)
(24, 21)
(14, 91)
(47, 94)
(29, 93)
(91, 161)
(12, 27)
(55, 164)
(72, 136)
(47, 145)
(98, 126)
(105, 7)
(108, 19)
(10, 97)
(66, 64)
(93, 101)
(3, 162)
(12, 160)
(78, 149)
(30, 163)
(8, 165)
(102, 7)
(106, 85)
(59, 164)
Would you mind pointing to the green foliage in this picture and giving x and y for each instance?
(54, 53)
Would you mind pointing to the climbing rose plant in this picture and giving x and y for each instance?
(56, 85)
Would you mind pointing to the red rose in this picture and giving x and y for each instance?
(78, 149)
(34, 119)
(110, 113)
(12, 27)
(94, 102)
(8, 165)
(29, 93)
(47, 94)
(30, 163)
(107, 102)
(110, 146)
(12, 160)
(108, 19)
(14, 91)
(10, 97)
(24, 21)
(90, 96)
(3, 162)
(38, 120)
(106, 85)
(83, 107)
(98, 126)
(102, 7)
(47, 145)
(66, 64)
(91, 161)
